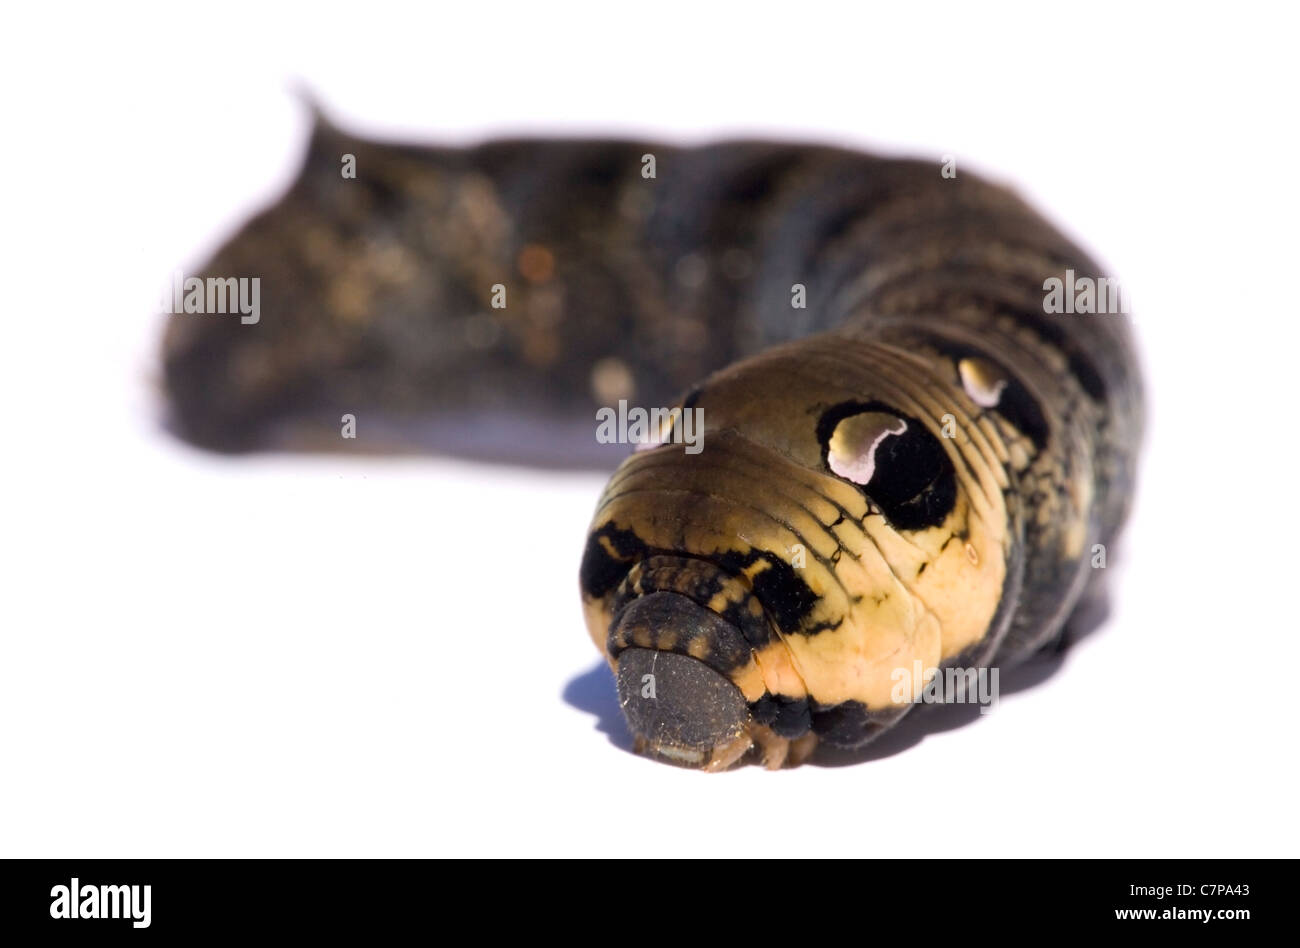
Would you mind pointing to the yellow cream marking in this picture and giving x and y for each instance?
(982, 380)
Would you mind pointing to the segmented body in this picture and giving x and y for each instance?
(906, 458)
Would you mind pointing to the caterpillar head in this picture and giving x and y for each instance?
(679, 637)
(791, 580)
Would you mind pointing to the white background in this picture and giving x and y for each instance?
(324, 656)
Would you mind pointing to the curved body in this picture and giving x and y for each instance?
(906, 459)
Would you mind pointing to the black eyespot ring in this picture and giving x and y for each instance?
(911, 478)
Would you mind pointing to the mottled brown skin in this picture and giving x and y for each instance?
(993, 444)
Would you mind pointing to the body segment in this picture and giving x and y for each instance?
(907, 458)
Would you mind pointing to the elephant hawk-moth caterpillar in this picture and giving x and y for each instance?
(907, 459)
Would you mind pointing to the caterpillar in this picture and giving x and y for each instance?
(904, 459)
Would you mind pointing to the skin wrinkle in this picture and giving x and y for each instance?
(725, 499)
(794, 664)
(827, 564)
(926, 608)
(790, 472)
(1071, 424)
(971, 479)
(974, 481)
(860, 292)
(870, 545)
(810, 480)
(905, 401)
(724, 469)
(854, 559)
(1040, 397)
(972, 513)
(832, 569)
(756, 471)
(928, 413)
(987, 448)
(922, 608)
(1008, 258)
(773, 488)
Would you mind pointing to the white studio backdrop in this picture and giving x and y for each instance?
(325, 656)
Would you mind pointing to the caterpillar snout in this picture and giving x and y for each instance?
(681, 710)
(678, 640)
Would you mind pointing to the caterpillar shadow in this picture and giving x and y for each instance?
(594, 692)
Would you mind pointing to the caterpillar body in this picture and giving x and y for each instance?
(904, 458)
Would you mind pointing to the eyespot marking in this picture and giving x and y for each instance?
(851, 452)
(909, 475)
(983, 381)
(980, 375)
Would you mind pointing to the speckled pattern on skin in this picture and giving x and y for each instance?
(914, 465)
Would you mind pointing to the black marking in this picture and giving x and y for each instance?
(1085, 373)
(1015, 403)
(851, 724)
(914, 482)
(1022, 410)
(786, 717)
(600, 572)
(1026, 315)
(784, 595)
